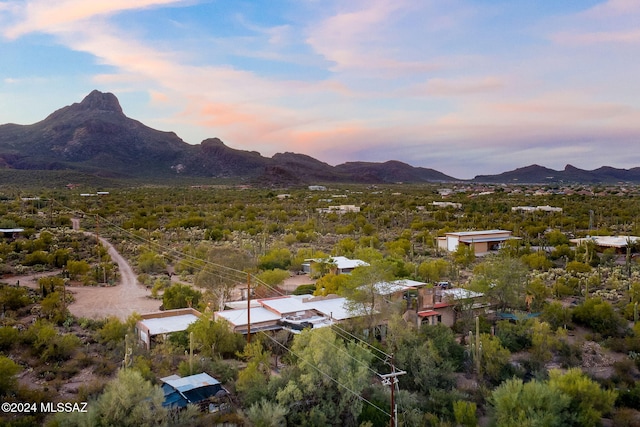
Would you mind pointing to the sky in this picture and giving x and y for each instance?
(466, 87)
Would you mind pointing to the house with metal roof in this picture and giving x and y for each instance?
(481, 241)
(291, 312)
(11, 233)
(261, 318)
(163, 323)
(201, 389)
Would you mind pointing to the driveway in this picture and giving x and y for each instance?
(97, 302)
(123, 300)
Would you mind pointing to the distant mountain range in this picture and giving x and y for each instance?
(96, 138)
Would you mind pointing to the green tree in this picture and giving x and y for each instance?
(214, 275)
(326, 379)
(493, 358)
(180, 296)
(537, 293)
(465, 413)
(214, 338)
(429, 355)
(113, 332)
(332, 284)
(267, 414)
(588, 402)
(544, 342)
(600, 316)
(77, 269)
(8, 371)
(252, 381)
(516, 404)
(514, 336)
(503, 280)
(59, 257)
(575, 267)
(8, 336)
(537, 261)
(13, 298)
(556, 315)
(151, 263)
(433, 270)
(128, 400)
(275, 258)
(464, 255)
(36, 258)
(345, 247)
(557, 238)
(273, 277)
(366, 294)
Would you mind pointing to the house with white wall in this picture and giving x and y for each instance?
(482, 241)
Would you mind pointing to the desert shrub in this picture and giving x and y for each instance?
(8, 336)
(600, 316)
(514, 336)
(151, 262)
(180, 296)
(112, 333)
(62, 347)
(105, 368)
(14, 298)
(90, 391)
(304, 290)
(36, 258)
(8, 371)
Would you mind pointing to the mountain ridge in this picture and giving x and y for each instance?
(95, 137)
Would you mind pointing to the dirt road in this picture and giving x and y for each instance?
(92, 302)
(120, 301)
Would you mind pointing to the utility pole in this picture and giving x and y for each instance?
(392, 381)
(248, 308)
(98, 246)
(191, 353)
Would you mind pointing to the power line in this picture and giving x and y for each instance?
(329, 376)
(227, 273)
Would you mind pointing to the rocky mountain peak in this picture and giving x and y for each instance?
(101, 101)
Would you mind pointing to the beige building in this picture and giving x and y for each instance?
(482, 241)
(437, 305)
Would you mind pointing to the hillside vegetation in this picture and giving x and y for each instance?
(568, 356)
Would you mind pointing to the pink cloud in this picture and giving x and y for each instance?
(463, 86)
(613, 8)
(359, 39)
(54, 16)
(589, 38)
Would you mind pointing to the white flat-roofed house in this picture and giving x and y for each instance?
(162, 323)
(447, 205)
(482, 241)
(293, 313)
(262, 319)
(340, 209)
(545, 208)
(11, 233)
(617, 242)
(335, 265)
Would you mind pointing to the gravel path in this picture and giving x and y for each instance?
(126, 298)
(92, 302)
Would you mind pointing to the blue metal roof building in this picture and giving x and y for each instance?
(195, 390)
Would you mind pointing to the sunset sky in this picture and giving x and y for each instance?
(466, 87)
